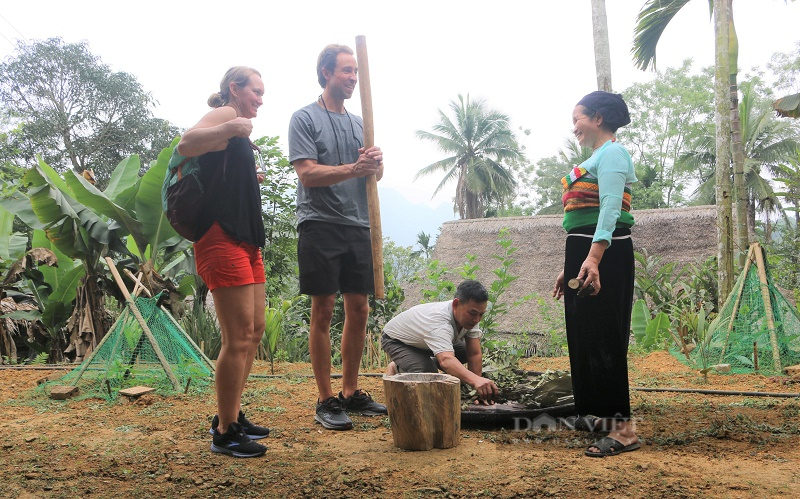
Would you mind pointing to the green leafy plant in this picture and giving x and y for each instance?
(443, 288)
(650, 333)
(274, 319)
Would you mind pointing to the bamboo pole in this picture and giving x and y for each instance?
(88, 360)
(773, 338)
(376, 232)
(143, 323)
(740, 285)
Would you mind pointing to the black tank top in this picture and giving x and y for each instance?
(235, 200)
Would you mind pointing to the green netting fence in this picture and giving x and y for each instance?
(757, 330)
(127, 356)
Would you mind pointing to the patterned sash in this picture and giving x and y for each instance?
(581, 191)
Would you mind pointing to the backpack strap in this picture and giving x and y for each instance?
(180, 167)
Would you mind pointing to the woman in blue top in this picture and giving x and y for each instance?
(597, 203)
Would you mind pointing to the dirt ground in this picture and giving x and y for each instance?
(694, 446)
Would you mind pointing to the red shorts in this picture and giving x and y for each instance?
(223, 262)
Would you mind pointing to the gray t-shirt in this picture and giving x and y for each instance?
(429, 325)
(311, 136)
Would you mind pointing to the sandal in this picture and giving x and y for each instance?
(610, 447)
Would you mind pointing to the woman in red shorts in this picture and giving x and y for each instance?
(229, 252)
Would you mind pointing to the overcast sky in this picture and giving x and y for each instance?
(530, 59)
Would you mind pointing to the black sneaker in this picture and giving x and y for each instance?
(235, 443)
(360, 402)
(330, 415)
(253, 431)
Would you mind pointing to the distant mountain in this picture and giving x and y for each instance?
(402, 220)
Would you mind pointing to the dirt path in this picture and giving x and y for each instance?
(695, 446)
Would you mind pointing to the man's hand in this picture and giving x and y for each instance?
(486, 389)
(368, 162)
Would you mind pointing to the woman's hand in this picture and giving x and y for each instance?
(558, 290)
(240, 127)
(590, 273)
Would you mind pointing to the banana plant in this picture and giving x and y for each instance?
(85, 223)
(51, 287)
(649, 332)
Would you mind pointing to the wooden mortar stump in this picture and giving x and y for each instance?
(424, 410)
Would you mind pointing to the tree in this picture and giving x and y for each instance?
(602, 50)
(653, 18)
(403, 262)
(723, 148)
(786, 249)
(484, 153)
(674, 109)
(787, 67)
(767, 143)
(425, 246)
(548, 173)
(278, 203)
(67, 106)
(86, 224)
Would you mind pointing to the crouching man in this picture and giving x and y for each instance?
(442, 335)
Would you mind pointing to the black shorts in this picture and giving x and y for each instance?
(334, 257)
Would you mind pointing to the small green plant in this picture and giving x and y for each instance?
(202, 328)
(274, 319)
(442, 288)
(40, 359)
(555, 328)
(650, 333)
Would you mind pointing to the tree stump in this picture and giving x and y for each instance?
(424, 410)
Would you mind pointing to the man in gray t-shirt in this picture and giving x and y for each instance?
(334, 254)
(446, 331)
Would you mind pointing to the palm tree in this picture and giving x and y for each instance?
(651, 22)
(602, 51)
(482, 154)
(767, 143)
(425, 246)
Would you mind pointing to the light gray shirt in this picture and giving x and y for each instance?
(429, 325)
(330, 139)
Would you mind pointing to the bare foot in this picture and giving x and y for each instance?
(391, 369)
(622, 432)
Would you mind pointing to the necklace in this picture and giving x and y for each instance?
(336, 135)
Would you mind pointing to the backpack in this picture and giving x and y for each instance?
(183, 194)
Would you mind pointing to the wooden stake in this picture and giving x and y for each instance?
(740, 286)
(88, 360)
(376, 232)
(755, 356)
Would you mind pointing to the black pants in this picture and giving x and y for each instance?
(598, 327)
(410, 359)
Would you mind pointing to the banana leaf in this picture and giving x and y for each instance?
(148, 202)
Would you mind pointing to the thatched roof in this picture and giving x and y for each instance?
(683, 235)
